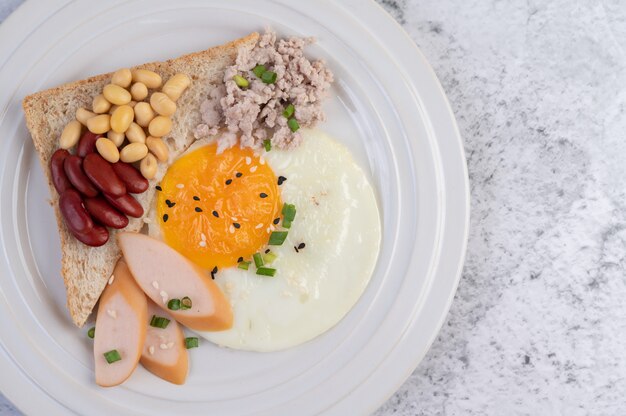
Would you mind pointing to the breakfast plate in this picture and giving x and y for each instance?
(386, 106)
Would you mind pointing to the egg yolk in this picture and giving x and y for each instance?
(216, 208)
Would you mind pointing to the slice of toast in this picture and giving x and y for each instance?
(85, 269)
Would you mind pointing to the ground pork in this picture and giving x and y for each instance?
(255, 113)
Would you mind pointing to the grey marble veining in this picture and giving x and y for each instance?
(538, 325)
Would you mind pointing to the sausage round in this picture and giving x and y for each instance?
(101, 174)
(104, 213)
(131, 176)
(73, 167)
(59, 177)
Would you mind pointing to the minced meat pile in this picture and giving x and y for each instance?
(271, 92)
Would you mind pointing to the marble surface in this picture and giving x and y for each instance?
(538, 325)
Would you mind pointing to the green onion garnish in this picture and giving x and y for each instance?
(268, 258)
(112, 356)
(293, 125)
(289, 110)
(267, 144)
(159, 322)
(241, 81)
(173, 304)
(259, 70)
(92, 332)
(191, 342)
(277, 238)
(269, 77)
(289, 214)
(185, 303)
(244, 265)
(258, 260)
(266, 271)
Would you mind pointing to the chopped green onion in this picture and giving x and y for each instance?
(268, 258)
(259, 70)
(191, 342)
(266, 271)
(269, 77)
(244, 265)
(277, 238)
(293, 125)
(289, 214)
(258, 260)
(173, 304)
(112, 356)
(241, 81)
(92, 332)
(185, 303)
(289, 111)
(159, 322)
(267, 144)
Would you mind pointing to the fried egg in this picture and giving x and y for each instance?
(323, 266)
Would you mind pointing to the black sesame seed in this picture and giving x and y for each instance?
(296, 248)
(229, 181)
(301, 246)
(240, 259)
(239, 174)
(198, 209)
(165, 217)
(281, 179)
(236, 225)
(169, 203)
(267, 251)
(263, 195)
(213, 272)
(276, 221)
(215, 214)
(196, 198)
(158, 188)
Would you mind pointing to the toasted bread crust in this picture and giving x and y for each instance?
(86, 270)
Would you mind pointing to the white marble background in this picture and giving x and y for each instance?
(538, 325)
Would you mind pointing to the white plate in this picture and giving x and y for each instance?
(387, 107)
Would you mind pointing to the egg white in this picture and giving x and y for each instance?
(313, 289)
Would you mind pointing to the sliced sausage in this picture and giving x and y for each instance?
(101, 174)
(120, 328)
(57, 171)
(73, 167)
(164, 274)
(104, 213)
(78, 220)
(131, 176)
(164, 352)
(127, 204)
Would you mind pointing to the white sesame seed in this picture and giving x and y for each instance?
(180, 186)
(232, 229)
(151, 349)
(111, 279)
(262, 160)
(155, 284)
(112, 313)
(233, 218)
(163, 346)
(203, 237)
(267, 229)
(170, 344)
(202, 243)
(164, 296)
(253, 169)
(248, 160)
(259, 225)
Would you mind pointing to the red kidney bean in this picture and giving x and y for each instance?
(130, 175)
(59, 178)
(74, 171)
(78, 220)
(87, 144)
(127, 204)
(101, 174)
(104, 213)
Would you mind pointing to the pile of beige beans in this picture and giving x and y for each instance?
(132, 121)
